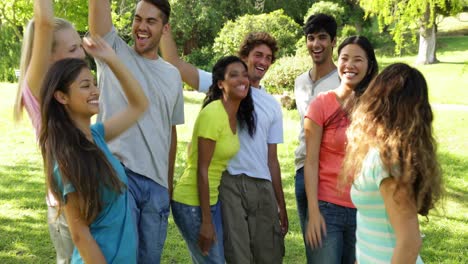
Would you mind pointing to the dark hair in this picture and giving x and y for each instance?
(245, 114)
(395, 116)
(372, 70)
(255, 39)
(372, 66)
(164, 6)
(320, 22)
(80, 162)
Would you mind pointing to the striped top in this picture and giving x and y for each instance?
(375, 237)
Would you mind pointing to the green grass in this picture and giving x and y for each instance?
(448, 79)
(24, 235)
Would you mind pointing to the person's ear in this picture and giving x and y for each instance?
(61, 97)
(220, 85)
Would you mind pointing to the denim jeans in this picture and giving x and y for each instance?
(149, 203)
(302, 209)
(188, 219)
(60, 235)
(340, 242)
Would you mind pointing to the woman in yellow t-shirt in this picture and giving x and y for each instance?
(195, 205)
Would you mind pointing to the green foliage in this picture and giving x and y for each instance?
(406, 17)
(329, 8)
(10, 50)
(293, 8)
(122, 16)
(281, 75)
(276, 23)
(203, 57)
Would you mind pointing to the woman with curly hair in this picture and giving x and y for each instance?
(391, 156)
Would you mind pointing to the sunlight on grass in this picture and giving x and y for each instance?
(24, 234)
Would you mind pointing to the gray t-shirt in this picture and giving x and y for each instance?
(305, 90)
(144, 148)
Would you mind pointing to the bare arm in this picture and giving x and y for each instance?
(42, 45)
(172, 157)
(207, 235)
(403, 215)
(99, 17)
(137, 100)
(316, 224)
(275, 172)
(79, 229)
(188, 72)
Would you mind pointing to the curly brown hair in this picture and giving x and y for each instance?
(255, 39)
(394, 116)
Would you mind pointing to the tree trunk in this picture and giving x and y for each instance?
(427, 42)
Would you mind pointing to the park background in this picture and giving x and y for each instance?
(401, 31)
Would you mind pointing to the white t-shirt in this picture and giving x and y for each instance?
(144, 148)
(305, 90)
(252, 158)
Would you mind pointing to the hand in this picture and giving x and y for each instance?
(283, 217)
(98, 48)
(206, 237)
(316, 228)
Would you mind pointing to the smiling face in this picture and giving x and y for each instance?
(258, 61)
(352, 65)
(147, 29)
(82, 98)
(67, 45)
(320, 47)
(236, 82)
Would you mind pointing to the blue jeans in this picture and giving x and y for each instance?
(302, 209)
(149, 203)
(188, 219)
(340, 242)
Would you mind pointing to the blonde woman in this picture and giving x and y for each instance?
(46, 40)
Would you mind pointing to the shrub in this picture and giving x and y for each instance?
(276, 23)
(10, 50)
(329, 8)
(281, 75)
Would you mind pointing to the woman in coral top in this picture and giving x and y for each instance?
(331, 218)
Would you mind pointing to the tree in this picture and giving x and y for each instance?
(408, 15)
(280, 26)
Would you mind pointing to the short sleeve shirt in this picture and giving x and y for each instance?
(305, 90)
(212, 123)
(326, 112)
(113, 227)
(375, 236)
(252, 158)
(31, 104)
(143, 148)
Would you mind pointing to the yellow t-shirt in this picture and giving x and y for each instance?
(212, 123)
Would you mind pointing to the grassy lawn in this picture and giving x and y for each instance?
(24, 236)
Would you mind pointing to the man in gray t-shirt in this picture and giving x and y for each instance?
(320, 35)
(147, 150)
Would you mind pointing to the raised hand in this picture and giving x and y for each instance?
(98, 48)
(316, 229)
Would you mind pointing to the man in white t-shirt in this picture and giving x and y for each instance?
(320, 35)
(147, 150)
(254, 211)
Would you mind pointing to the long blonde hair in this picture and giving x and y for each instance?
(26, 53)
(394, 116)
